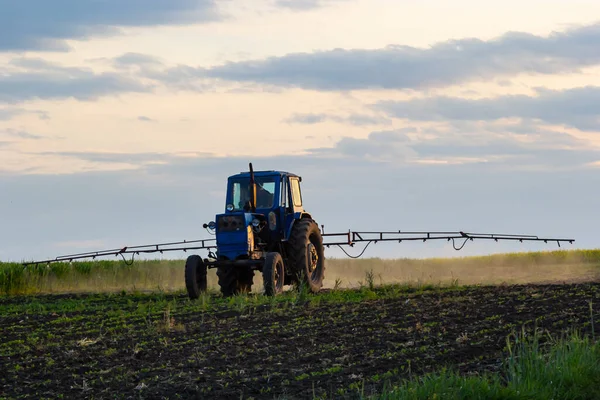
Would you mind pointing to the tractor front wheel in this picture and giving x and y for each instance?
(272, 272)
(195, 276)
(235, 280)
(306, 254)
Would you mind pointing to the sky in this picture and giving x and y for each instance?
(121, 120)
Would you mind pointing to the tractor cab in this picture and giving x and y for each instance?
(274, 190)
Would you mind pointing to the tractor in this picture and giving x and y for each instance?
(264, 228)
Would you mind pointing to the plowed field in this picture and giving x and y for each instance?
(332, 345)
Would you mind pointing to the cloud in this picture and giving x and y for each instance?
(404, 67)
(152, 68)
(181, 77)
(304, 5)
(105, 157)
(7, 113)
(136, 59)
(352, 119)
(20, 134)
(500, 146)
(27, 78)
(33, 78)
(547, 149)
(381, 146)
(308, 119)
(46, 25)
(575, 107)
(142, 159)
(145, 119)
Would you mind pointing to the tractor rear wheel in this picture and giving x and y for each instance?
(306, 254)
(234, 280)
(272, 272)
(195, 276)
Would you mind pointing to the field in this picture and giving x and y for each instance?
(341, 343)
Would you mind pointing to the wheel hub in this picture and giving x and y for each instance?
(277, 276)
(313, 258)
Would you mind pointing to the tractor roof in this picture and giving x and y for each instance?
(262, 173)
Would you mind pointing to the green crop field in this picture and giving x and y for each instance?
(512, 326)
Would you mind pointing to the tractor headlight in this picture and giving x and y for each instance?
(229, 207)
(255, 222)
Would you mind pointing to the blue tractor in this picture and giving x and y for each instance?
(264, 228)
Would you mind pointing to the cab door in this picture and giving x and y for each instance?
(285, 210)
(295, 195)
(293, 203)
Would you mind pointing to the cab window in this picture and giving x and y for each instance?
(296, 195)
(284, 194)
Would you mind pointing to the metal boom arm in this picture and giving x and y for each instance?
(207, 244)
(351, 237)
(399, 236)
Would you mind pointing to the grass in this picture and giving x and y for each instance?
(568, 368)
(526, 267)
(91, 276)
(167, 275)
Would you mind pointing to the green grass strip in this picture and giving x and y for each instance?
(568, 368)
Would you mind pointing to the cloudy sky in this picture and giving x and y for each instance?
(120, 120)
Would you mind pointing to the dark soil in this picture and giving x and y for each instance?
(156, 346)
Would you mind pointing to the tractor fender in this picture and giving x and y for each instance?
(297, 216)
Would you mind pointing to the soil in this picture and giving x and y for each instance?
(165, 346)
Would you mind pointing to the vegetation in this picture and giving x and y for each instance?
(375, 342)
(568, 368)
(167, 275)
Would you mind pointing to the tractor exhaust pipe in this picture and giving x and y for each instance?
(252, 190)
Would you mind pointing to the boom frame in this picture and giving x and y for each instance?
(353, 237)
(350, 238)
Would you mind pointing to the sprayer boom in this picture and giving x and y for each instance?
(355, 237)
(349, 238)
(184, 245)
